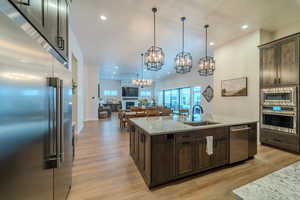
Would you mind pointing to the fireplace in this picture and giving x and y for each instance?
(129, 104)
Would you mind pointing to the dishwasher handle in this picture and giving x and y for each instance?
(238, 129)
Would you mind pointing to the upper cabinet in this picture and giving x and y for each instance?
(50, 18)
(62, 36)
(279, 62)
(288, 61)
(268, 66)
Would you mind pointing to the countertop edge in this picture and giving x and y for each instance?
(193, 128)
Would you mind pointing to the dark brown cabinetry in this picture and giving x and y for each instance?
(280, 62)
(185, 158)
(162, 163)
(162, 158)
(288, 61)
(50, 18)
(279, 67)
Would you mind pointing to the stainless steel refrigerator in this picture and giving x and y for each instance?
(35, 113)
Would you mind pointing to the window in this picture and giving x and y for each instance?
(110, 93)
(185, 98)
(167, 98)
(197, 96)
(176, 99)
(197, 99)
(145, 94)
(161, 98)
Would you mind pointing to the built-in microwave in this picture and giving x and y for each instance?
(279, 118)
(285, 96)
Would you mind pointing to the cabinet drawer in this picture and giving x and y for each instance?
(280, 140)
(184, 137)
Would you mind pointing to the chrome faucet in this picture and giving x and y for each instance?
(193, 113)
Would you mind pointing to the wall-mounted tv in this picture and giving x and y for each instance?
(130, 92)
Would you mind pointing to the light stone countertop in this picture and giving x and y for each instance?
(174, 124)
(280, 185)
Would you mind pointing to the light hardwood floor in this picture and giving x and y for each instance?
(103, 169)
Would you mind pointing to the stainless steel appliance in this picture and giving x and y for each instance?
(279, 118)
(279, 109)
(239, 147)
(285, 96)
(35, 113)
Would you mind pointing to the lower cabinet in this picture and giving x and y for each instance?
(163, 158)
(203, 160)
(141, 152)
(185, 157)
(162, 163)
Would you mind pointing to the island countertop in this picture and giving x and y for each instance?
(173, 124)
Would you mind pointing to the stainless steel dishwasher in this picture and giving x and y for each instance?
(239, 143)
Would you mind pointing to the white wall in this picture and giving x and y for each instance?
(239, 58)
(287, 30)
(91, 94)
(186, 80)
(74, 49)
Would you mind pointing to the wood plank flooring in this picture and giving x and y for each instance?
(103, 169)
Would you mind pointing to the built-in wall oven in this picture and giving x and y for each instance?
(285, 96)
(279, 109)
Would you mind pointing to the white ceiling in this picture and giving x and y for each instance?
(128, 30)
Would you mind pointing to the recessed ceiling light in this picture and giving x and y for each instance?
(103, 17)
(117, 67)
(169, 72)
(211, 43)
(114, 72)
(245, 26)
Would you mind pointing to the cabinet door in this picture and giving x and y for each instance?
(132, 141)
(142, 151)
(34, 10)
(51, 22)
(252, 140)
(136, 145)
(202, 158)
(288, 65)
(163, 167)
(268, 66)
(220, 155)
(184, 158)
(62, 39)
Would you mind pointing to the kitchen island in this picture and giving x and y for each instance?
(167, 148)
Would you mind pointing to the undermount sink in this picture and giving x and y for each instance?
(202, 123)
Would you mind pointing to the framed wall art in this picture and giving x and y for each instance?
(234, 87)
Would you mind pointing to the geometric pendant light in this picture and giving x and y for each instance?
(207, 64)
(183, 60)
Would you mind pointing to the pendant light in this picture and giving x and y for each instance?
(142, 82)
(183, 60)
(207, 64)
(154, 57)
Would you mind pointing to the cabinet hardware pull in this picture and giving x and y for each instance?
(60, 43)
(24, 3)
(241, 129)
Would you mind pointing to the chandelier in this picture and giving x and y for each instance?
(183, 60)
(142, 82)
(154, 57)
(207, 64)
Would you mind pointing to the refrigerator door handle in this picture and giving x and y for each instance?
(55, 141)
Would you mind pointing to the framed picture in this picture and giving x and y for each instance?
(235, 87)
